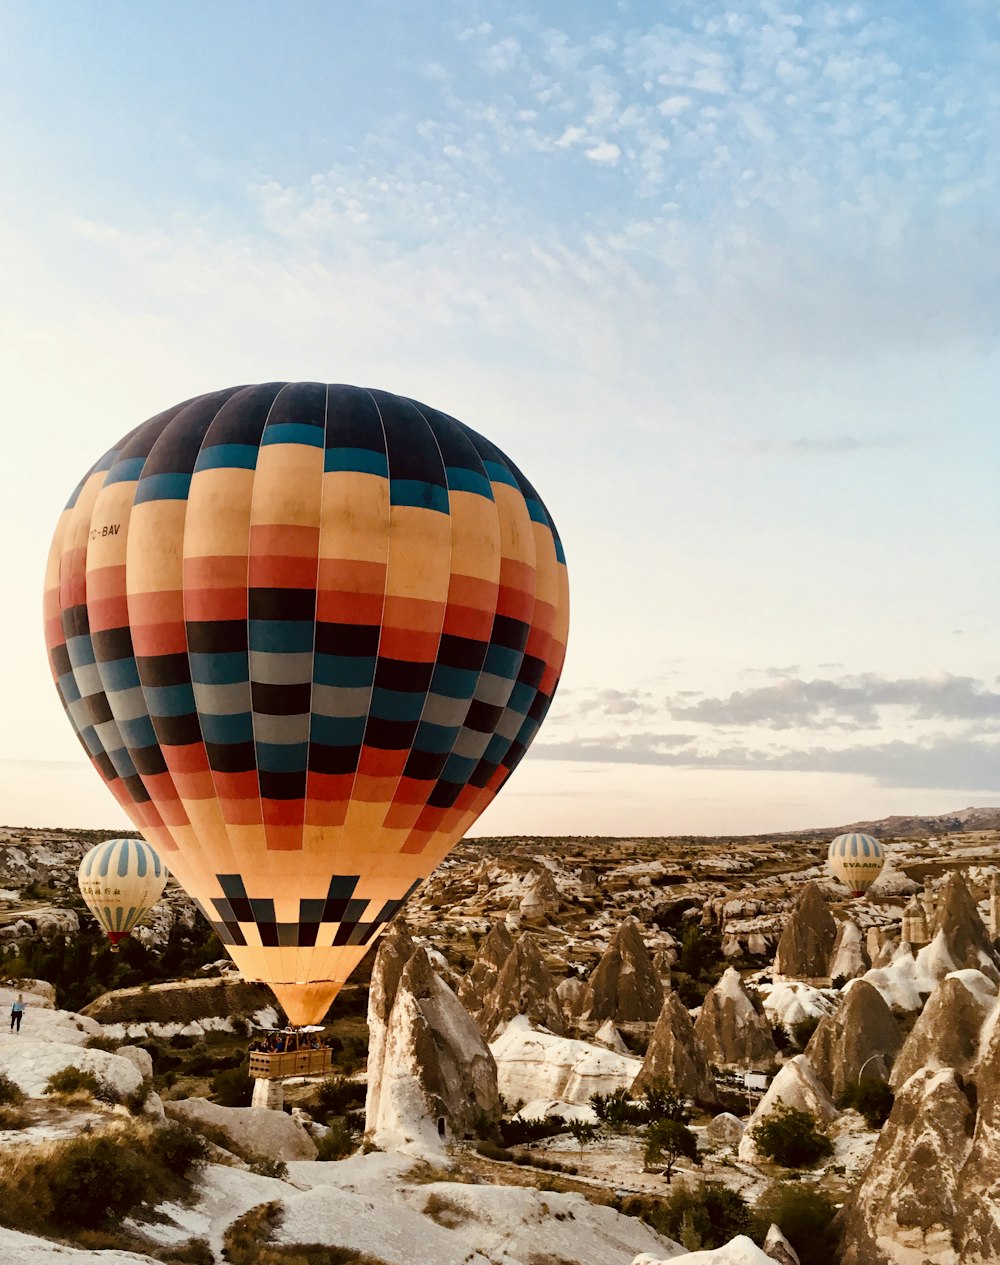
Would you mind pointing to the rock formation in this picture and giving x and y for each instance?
(959, 938)
(576, 998)
(394, 951)
(906, 1206)
(849, 958)
(796, 1085)
(778, 1248)
(914, 924)
(609, 1036)
(437, 1077)
(948, 1030)
(860, 1039)
(250, 1133)
(485, 970)
(534, 1066)
(724, 1130)
(730, 1029)
(808, 937)
(541, 899)
(524, 987)
(181, 1001)
(625, 985)
(675, 1054)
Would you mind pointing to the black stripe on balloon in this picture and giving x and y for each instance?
(353, 420)
(425, 766)
(531, 671)
(75, 621)
(148, 761)
(403, 675)
(282, 604)
(350, 640)
(281, 700)
(159, 670)
(282, 785)
(99, 709)
(390, 735)
(510, 633)
(224, 636)
(483, 717)
(177, 731)
(136, 788)
(462, 652)
(107, 769)
(333, 761)
(112, 644)
(412, 451)
(303, 403)
(60, 659)
(241, 419)
(176, 450)
(231, 757)
(444, 794)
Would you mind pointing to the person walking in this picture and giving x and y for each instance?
(17, 1013)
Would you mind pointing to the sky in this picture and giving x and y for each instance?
(723, 279)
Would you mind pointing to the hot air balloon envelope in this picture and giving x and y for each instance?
(120, 881)
(305, 633)
(856, 860)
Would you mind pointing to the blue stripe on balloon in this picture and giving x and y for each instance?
(222, 668)
(227, 457)
(282, 758)
(281, 636)
(418, 493)
(358, 460)
(119, 674)
(337, 731)
(163, 487)
(500, 474)
(348, 671)
(123, 851)
(125, 471)
(141, 859)
(293, 433)
(396, 705)
(170, 700)
(461, 479)
(227, 730)
(454, 682)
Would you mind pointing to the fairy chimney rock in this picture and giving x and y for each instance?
(948, 1029)
(808, 937)
(675, 1054)
(796, 1085)
(438, 1077)
(625, 985)
(849, 958)
(731, 1030)
(394, 950)
(914, 924)
(859, 1040)
(485, 971)
(524, 987)
(959, 938)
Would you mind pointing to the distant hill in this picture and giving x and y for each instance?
(888, 827)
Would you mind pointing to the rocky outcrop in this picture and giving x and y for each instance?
(249, 1133)
(675, 1054)
(849, 957)
(730, 1029)
(576, 998)
(948, 1029)
(959, 938)
(724, 1130)
(625, 985)
(808, 937)
(524, 987)
(535, 1066)
(906, 1207)
(914, 923)
(184, 1001)
(860, 1039)
(437, 1078)
(485, 970)
(542, 898)
(778, 1248)
(798, 1086)
(394, 951)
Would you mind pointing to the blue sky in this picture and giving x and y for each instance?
(724, 280)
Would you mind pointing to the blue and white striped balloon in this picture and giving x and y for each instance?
(121, 880)
(856, 860)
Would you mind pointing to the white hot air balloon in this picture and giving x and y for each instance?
(120, 880)
(856, 860)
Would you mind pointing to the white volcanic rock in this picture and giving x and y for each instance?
(730, 1029)
(796, 1085)
(778, 1248)
(534, 1064)
(438, 1072)
(725, 1130)
(891, 882)
(485, 970)
(44, 1048)
(141, 1060)
(808, 937)
(394, 951)
(947, 1032)
(959, 938)
(738, 1251)
(524, 987)
(788, 1002)
(675, 1054)
(250, 1130)
(543, 1108)
(576, 998)
(849, 958)
(609, 1036)
(859, 1040)
(27, 1249)
(905, 1209)
(625, 985)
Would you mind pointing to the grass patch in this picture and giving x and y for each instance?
(247, 1242)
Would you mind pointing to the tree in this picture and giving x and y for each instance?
(792, 1138)
(583, 1131)
(804, 1216)
(664, 1103)
(617, 1109)
(668, 1141)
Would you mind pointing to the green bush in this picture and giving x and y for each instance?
(233, 1086)
(11, 1094)
(792, 1138)
(873, 1099)
(95, 1181)
(338, 1142)
(662, 1102)
(71, 1079)
(178, 1148)
(265, 1166)
(803, 1030)
(518, 1132)
(710, 1212)
(805, 1217)
(617, 1110)
(338, 1095)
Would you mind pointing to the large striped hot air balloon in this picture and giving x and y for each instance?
(120, 881)
(305, 633)
(857, 860)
